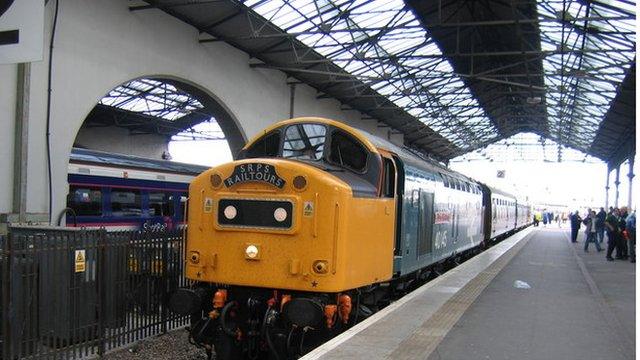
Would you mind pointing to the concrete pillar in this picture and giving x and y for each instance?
(617, 183)
(20, 142)
(630, 175)
(606, 190)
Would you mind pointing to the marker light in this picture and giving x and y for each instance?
(216, 180)
(299, 182)
(280, 214)
(251, 251)
(230, 212)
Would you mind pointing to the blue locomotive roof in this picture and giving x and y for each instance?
(130, 161)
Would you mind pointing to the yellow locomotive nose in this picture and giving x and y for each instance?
(276, 223)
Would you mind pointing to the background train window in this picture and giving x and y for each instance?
(161, 204)
(86, 201)
(348, 152)
(268, 146)
(445, 180)
(126, 203)
(304, 142)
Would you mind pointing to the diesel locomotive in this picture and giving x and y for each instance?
(315, 227)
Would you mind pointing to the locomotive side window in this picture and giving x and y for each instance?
(126, 202)
(268, 146)
(304, 142)
(348, 152)
(86, 201)
(388, 183)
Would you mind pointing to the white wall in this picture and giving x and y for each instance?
(117, 140)
(101, 44)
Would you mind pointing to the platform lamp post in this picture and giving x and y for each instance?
(630, 175)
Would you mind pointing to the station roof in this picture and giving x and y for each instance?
(452, 76)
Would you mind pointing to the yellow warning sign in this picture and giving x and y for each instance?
(208, 205)
(81, 261)
(308, 208)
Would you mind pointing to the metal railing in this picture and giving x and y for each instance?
(75, 293)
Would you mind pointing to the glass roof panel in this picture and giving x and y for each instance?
(383, 44)
(152, 97)
(591, 45)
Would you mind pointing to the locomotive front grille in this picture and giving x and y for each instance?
(246, 213)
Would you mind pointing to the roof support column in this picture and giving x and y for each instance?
(617, 183)
(630, 175)
(606, 189)
(20, 142)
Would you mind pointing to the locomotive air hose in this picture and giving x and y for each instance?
(223, 319)
(267, 335)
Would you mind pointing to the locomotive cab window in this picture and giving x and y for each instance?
(347, 152)
(267, 146)
(304, 142)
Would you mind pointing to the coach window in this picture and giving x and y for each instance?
(304, 142)
(160, 204)
(126, 203)
(347, 152)
(85, 201)
(267, 146)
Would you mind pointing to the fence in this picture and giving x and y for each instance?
(74, 293)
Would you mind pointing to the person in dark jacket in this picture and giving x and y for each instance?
(611, 223)
(590, 231)
(575, 220)
(631, 230)
(601, 216)
(622, 225)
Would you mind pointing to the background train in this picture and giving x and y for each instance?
(317, 226)
(126, 192)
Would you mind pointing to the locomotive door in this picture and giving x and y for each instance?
(425, 226)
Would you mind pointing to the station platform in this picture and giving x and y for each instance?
(577, 306)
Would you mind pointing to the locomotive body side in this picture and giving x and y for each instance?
(441, 217)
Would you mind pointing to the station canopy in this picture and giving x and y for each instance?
(452, 76)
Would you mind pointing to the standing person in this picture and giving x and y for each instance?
(622, 226)
(611, 224)
(545, 217)
(631, 230)
(575, 220)
(590, 231)
(602, 215)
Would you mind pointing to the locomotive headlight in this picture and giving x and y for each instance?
(280, 214)
(251, 251)
(230, 212)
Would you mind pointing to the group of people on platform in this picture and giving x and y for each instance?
(547, 217)
(619, 225)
